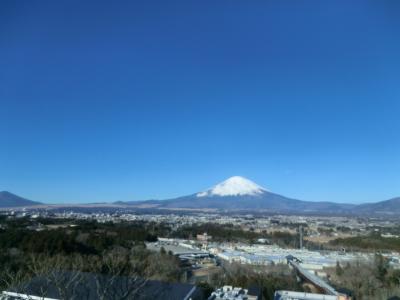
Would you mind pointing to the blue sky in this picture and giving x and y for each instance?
(156, 99)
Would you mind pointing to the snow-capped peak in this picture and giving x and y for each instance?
(234, 186)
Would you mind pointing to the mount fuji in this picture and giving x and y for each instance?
(234, 186)
(241, 194)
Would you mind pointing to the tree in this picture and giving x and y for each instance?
(162, 251)
(339, 269)
(381, 267)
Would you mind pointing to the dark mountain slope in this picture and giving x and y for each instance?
(266, 201)
(391, 206)
(8, 199)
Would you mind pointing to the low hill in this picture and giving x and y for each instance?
(8, 199)
(387, 207)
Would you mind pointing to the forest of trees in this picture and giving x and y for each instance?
(373, 241)
(111, 249)
(368, 281)
(119, 250)
(232, 233)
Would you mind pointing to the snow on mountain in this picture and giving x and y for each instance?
(234, 186)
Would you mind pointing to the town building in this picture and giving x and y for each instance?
(235, 293)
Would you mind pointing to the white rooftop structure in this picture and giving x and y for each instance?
(289, 295)
(228, 292)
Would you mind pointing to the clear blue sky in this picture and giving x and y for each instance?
(134, 100)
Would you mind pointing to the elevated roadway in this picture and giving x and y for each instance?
(312, 278)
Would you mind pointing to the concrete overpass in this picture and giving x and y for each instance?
(314, 279)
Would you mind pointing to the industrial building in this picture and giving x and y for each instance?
(289, 295)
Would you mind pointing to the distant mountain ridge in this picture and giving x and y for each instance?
(391, 206)
(238, 194)
(8, 199)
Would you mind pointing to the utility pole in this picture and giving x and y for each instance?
(301, 236)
